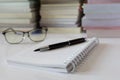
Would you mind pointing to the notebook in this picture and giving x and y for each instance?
(59, 60)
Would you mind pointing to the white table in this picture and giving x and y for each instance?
(103, 63)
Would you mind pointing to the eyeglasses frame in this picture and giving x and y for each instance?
(24, 32)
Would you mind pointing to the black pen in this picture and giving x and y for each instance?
(61, 44)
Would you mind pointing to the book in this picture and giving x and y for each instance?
(103, 1)
(101, 8)
(44, 1)
(24, 7)
(103, 32)
(13, 0)
(58, 1)
(9, 7)
(15, 25)
(63, 60)
(56, 15)
(15, 21)
(102, 11)
(44, 17)
(47, 22)
(86, 22)
(103, 16)
(15, 15)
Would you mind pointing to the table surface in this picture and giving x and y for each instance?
(102, 63)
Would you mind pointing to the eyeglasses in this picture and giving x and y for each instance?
(16, 36)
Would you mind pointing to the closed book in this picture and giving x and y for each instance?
(103, 16)
(103, 32)
(103, 1)
(43, 1)
(101, 8)
(44, 16)
(64, 59)
(58, 1)
(10, 7)
(24, 7)
(15, 21)
(12, 0)
(60, 25)
(48, 22)
(56, 21)
(100, 22)
(15, 15)
(102, 11)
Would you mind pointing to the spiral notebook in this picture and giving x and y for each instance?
(60, 60)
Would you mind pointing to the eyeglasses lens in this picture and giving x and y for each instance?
(14, 37)
(37, 35)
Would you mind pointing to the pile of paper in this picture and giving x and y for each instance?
(54, 13)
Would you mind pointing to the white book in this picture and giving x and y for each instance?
(64, 59)
(103, 1)
(12, 0)
(102, 8)
(59, 22)
(104, 33)
(44, 15)
(59, 1)
(59, 19)
(27, 22)
(103, 16)
(15, 25)
(100, 22)
(43, 1)
(43, 21)
(60, 25)
(15, 21)
(15, 15)
(24, 7)
(64, 11)
(17, 7)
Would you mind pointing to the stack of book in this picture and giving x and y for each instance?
(59, 15)
(102, 18)
(53, 15)
(11, 12)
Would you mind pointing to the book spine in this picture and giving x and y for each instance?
(82, 55)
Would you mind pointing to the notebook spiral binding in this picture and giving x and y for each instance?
(81, 56)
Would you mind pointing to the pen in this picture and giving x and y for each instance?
(61, 44)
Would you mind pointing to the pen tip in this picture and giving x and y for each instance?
(36, 50)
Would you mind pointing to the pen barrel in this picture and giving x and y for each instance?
(76, 41)
(58, 45)
(67, 43)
